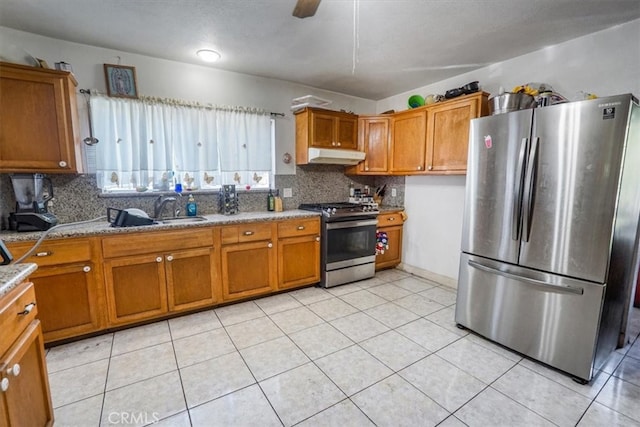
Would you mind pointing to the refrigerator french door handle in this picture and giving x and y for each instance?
(529, 189)
(536, 282)
(516, 212)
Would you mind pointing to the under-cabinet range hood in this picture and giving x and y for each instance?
(335, 157)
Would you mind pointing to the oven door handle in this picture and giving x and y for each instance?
(351, 224)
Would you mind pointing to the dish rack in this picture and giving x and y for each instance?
(308, 101)
(228, 200)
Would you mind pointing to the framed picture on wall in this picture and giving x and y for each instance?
(121, 81)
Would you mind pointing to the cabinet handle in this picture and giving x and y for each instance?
(14, 370)
(4, 384)
(419, 168)
(46, 253)
(170, 258)
(430, 167)
(27, 309)
(339, 144)
(366, 168)
(62, 164)
(270, 245)
(393, 218)
(159, 259)
(248, 233)
(301, 227)
(317, 238)
(86, 269)
(333, 143)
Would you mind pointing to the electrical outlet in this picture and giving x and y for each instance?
(394, 192)
(287, 192)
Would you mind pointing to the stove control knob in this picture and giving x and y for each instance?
(333, 211)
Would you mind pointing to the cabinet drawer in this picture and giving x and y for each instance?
(389, 219)
(155, 242)
(16, 313)
(54, 253)
(303, 227)
(250, 232)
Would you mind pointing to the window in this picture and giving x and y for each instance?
(153, 144)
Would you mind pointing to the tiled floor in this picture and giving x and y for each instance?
(380, 352)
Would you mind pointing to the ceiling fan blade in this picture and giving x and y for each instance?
(305, 8)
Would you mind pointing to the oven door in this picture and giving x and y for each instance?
(350, 242)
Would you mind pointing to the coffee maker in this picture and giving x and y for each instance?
(31, 202)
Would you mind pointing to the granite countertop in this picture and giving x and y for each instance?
(13, 274)
(102, 227)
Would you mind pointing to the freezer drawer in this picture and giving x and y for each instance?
(549, 318)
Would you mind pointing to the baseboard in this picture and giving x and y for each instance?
(430, 275)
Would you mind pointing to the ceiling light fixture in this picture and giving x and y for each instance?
(208, 55)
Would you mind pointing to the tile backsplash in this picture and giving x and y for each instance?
(77, 197)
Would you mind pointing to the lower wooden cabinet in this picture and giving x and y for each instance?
(192, 278)
(25, 399)
(298, 253)
(392, 224)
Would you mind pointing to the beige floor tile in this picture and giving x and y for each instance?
(599, 415)
(146, 401)
(353, 369)
(440, 295)
(418, 304)
(139, 365)
(308, 296)
(297, 319)
(389, 291)
(391, 275)
(178, 420)
(193, 324)
(359, 326)
(363, 299)
(391, 315)
(79, 352)
(502, 351)
(236, 313)
(198, 348)
(320, 340)
(428, 334)
(414, 284)
(273, 357)
(78, 383)
(394, 350)
(492, 408)
(395, 402)
(277, 303)
(332, 308)
(338, 291)
(476, 360)
(452, 421)
(213, 378)
(246, 407)
(83, 413)
(300, 393)
(140, 337)
(446, 319)
(344, 413)
(612, 362)
(253, 332)
(367, 283)
(547, 398)
(629, 370)
(448, 385)
(622, 397)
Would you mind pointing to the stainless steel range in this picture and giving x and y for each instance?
(348, 249)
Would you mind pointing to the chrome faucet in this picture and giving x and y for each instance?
(161, 202)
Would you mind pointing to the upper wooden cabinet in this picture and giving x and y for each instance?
(374, 133)
(408, 144)
(39, 126)
(319, 128)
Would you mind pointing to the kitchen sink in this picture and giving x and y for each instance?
(182, 220)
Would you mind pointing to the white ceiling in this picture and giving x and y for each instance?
(399, 44)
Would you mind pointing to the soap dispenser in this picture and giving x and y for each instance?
(192, 208)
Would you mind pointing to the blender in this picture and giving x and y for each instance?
(31, 202)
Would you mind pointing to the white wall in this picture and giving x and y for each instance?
(163, 78)
(604, 63)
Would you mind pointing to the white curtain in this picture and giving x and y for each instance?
(147, 143)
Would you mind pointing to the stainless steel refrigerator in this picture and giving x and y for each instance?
(550, 233)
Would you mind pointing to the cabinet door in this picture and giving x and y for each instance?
(67, 300)
(448, 136)
(248, 269)
(38, 126)
(347, 133)
(408, 149)
(192, 281)
(136, 288)
(392, 256)
(27, 401)
(375, 135)
(298, 261)
(322, 130)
